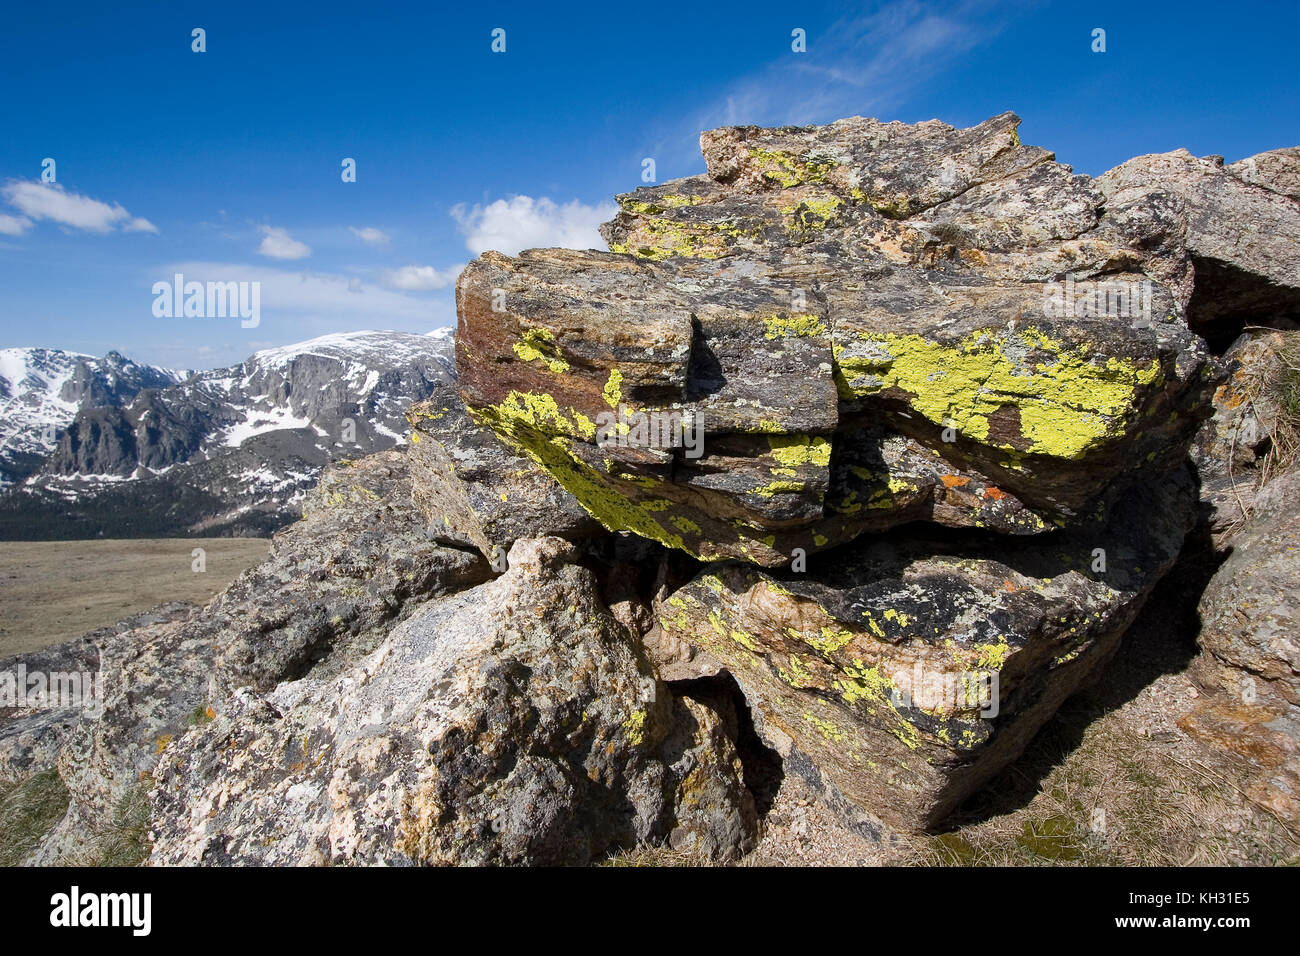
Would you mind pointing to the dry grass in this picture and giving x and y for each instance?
(649, 855)
(1272, 390)
(124, 841)
(1119, 799)
(28, 809)
(54, 591)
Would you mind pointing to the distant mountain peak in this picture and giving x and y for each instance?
(238, 445)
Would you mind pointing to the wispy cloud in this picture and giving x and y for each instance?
(522, 222)
(49, 201)
(278, 244)
(420, 278)
(370, 235)
(862, 65)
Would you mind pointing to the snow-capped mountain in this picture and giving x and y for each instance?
(231, 450)
(42, 390)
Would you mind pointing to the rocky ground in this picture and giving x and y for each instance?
(985, 556)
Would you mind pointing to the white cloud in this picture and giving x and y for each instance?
(521, 222)
(420, 278)
(278, 244)
(370, 235)
(13, 225)
(327, 301)
(39, 200)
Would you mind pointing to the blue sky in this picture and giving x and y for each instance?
(226, 164)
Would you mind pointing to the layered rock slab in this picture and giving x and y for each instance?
(474, 492)
(898, 676)
(822, 292)
(1229, 236)
(513, 723)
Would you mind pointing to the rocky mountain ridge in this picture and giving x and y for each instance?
(43, 390)
(230, 450)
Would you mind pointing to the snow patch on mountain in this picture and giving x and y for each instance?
(231, 449)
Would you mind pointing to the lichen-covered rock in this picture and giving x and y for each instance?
(30, 737)
(830, 332)
(66, 738)
(335, 582)
(1238, 231)
(512, 723)
(1250, 653)
(333, 586)
(1277, 170)
(154, 679)
(1233, 448)
(473, 491)
(1250, 611)
(899, 675)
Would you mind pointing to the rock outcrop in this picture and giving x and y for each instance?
(1252, 429)
(334, 585)
(1228, 237)
(839, 330)
(473, 491)
(850, 461)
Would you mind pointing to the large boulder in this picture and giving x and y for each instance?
(899, 675)
(838, 330)
(512, 723)
(1250, 611)
(332, 587)
(360, 559)
(1228, 237)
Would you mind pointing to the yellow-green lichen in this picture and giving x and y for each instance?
(795, 450)
(805, 219)
(613, 390)
(1067, 404)
(993, 656)
(658, 238)
(798, 325)
(685, 525)
(778, 487)
(635, 728)
(825, 728)
(788, 170)
(529, 421)
(538, 345)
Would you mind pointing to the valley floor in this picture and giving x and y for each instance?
(54, 591)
